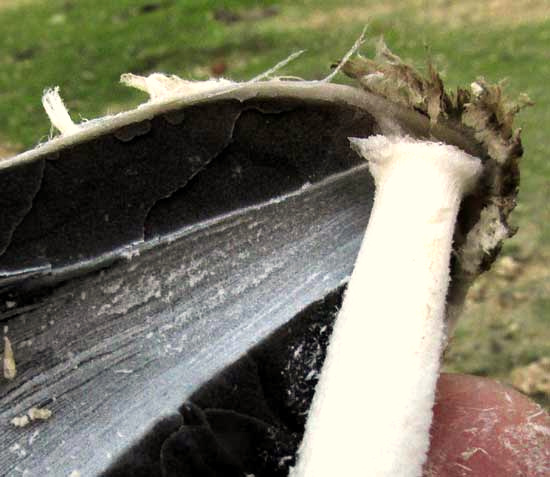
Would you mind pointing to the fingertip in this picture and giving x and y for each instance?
(482, 428)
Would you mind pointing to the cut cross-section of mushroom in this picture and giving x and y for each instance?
(141, 253)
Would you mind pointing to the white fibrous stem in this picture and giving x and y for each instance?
(372, 409)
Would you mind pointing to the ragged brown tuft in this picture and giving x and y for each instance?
(485, 116)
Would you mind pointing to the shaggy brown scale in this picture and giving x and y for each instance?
(483, 115)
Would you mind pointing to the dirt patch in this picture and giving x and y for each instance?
(505, 285)
(449, 13)
(228, 16)
(504, 326)
(533, 379)
(490, 13)
(5, 4)
(7, 150)
(330, 17)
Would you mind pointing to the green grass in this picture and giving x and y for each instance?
(83, 46)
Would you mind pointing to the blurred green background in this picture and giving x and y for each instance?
(84, 45)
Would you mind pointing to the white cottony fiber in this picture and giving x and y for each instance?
(57, 112)
(159, 86)
(372, 410)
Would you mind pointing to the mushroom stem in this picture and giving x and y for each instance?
(372, 409)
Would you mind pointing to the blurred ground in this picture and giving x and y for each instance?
(7, 150)
(83, 46)
(448, 13)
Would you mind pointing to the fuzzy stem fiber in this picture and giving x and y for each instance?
(372, 410)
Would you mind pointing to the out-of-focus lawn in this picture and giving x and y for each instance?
(84, 45)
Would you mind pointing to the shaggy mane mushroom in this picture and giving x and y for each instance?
(445, 168)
